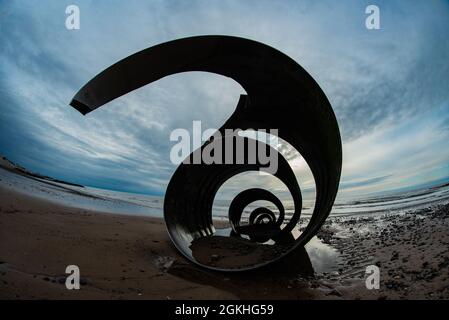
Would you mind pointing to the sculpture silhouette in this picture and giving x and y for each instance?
(280, 95)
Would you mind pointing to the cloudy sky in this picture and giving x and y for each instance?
(389, 87)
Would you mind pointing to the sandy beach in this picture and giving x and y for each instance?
(132, 257)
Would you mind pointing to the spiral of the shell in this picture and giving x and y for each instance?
(280, 95)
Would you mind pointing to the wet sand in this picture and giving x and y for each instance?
(132, 257)
(411, 250)
(120, 257)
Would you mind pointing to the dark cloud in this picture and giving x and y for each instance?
(364, 182)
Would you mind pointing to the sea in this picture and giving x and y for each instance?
(117, 202)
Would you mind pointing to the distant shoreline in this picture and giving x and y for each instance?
(13, 167)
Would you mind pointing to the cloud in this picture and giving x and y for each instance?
(363, 182)
(388, 87)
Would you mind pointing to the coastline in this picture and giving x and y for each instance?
(132, 257)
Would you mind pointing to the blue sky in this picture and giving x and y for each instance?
(389, 88)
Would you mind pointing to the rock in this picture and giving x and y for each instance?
(395, 256)
(168, 264)
(214, 257)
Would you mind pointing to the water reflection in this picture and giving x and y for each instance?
(323, 257)
(224, 250)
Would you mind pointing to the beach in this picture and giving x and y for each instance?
(125, 256)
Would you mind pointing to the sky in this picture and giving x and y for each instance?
(389, 88)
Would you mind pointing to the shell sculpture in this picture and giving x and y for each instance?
(280, 95)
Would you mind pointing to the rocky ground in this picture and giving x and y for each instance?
(410, 249)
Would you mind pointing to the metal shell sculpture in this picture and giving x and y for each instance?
(281, 95)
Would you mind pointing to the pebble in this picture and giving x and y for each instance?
(214, 257)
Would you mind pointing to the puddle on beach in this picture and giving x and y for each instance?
(323, 257)
(222, 251)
